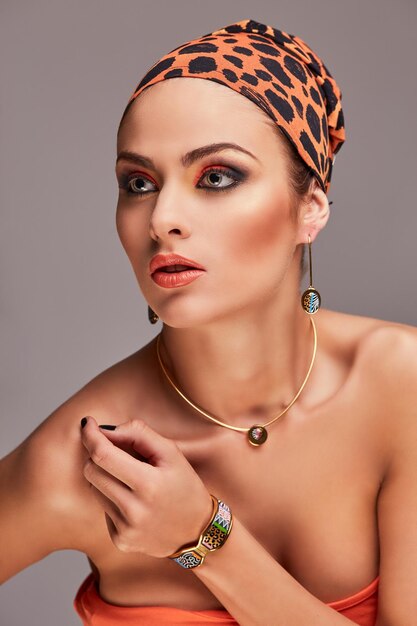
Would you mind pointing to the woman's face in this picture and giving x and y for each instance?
(228, 211)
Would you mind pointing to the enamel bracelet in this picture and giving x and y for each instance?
(212, 538)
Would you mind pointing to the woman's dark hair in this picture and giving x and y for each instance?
(301, 180)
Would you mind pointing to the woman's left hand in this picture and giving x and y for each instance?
(154, 501)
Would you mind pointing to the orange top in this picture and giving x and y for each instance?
(361, 608)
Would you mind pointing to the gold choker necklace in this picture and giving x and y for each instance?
(256, 434)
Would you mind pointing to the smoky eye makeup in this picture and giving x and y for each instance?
(135, 184)
(209, 179)
(212, 173)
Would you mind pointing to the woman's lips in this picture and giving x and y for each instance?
(162, 260)
(170, 280)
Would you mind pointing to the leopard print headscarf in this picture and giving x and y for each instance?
(277, 71)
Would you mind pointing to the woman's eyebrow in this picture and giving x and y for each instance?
(187, 159)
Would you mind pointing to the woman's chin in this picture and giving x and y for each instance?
(176, 317)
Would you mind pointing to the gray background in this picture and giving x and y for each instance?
(70, 304)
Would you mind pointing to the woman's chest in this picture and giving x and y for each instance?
(308, 495)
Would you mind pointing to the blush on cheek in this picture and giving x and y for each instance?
(262, 237)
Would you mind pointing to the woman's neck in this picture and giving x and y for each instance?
(241, 370)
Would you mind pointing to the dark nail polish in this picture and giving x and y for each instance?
(107, 426)
(83, 422)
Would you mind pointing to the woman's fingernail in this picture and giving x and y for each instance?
(107, 426)
(83, 422)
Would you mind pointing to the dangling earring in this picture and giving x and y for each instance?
(153, 317)
(311, 299)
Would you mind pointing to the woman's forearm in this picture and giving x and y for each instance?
(258, 591)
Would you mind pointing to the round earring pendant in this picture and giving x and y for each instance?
(311, 300)
(152, 316)
(257, 435)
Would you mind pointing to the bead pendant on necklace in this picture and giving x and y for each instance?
(257, 435)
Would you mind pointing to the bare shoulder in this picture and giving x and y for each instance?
(43, 492)
(368, 335)
(389, 350)
(47, 466)
(384, 354)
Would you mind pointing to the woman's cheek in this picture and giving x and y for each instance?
(130, 230)
(262, 233)
(122, 225)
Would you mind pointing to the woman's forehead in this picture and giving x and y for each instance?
(198, 107)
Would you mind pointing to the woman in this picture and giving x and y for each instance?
(296, 425)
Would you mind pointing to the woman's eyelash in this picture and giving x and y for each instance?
(237, 177)
(126, 181)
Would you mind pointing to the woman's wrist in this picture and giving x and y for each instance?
(213, 537)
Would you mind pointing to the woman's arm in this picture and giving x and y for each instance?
(257, 590)
(44, 501)
(33, 516)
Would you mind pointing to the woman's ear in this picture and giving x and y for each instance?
(314, 213)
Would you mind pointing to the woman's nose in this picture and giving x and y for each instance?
(169, 219)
